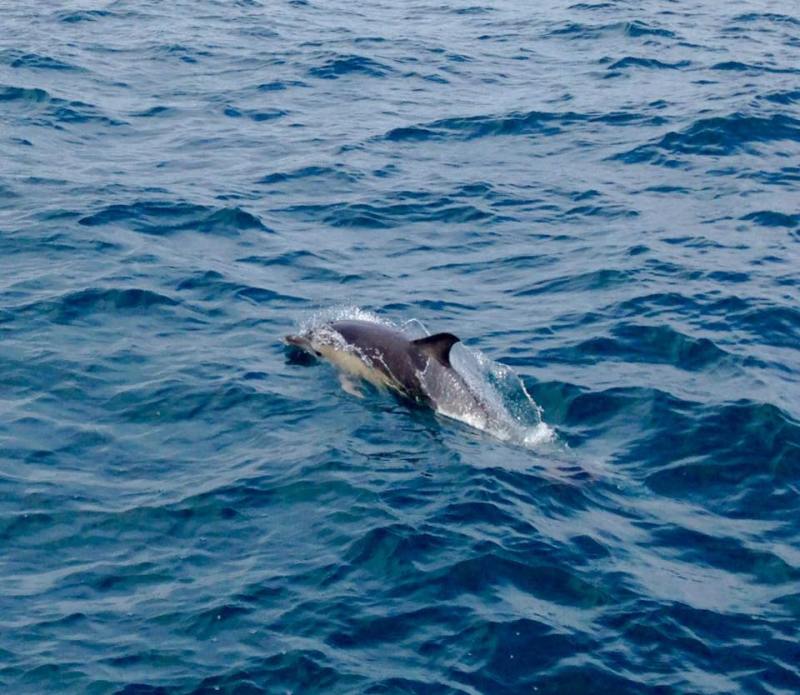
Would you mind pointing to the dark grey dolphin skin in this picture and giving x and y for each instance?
(416, 369)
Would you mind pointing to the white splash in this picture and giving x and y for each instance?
(341, 313)
(513, 415)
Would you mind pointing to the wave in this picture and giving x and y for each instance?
(173, 400)
(648, 63)
(76, 16)
(403, 208)
(772, 17)
(311, 267)
(23, 94)
(583, 282)
(211, 286)
(651, 344)
(337, 172)
(772, 218)
(764, 323)
(784, 97)
(731, 555)
(760, 442)
(37, 61)
(155, 112)
(783, 176)
(257, 115)
(515, 123)
(769, 325)
(186, 54)
(635, 29)
(716, 136)
(35, 106)
(590, 6)
(280, 85)
(471, 127)
(168, 217)
(285, 669)
(341, 65)
(78, 305)
(736, 66)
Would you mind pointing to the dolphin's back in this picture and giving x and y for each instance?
(387, 350)
(419, 369)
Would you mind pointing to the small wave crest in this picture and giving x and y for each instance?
(36, 61)
(341, 65)
(718, 136)
(36, 106)
(162, 217)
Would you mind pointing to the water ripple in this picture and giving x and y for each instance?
(188, 507)
(166, 217)
(718, 136)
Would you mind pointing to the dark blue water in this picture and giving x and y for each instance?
(603, 196)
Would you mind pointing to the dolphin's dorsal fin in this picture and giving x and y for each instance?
(437, 346)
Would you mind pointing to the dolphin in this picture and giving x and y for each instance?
(416, 370)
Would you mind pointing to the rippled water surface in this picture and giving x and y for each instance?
(602, 196)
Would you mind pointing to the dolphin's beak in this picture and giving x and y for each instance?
(301, 343)
(298, 341)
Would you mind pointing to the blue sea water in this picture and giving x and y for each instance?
(603, 196)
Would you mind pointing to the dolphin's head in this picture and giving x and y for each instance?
(302, 342)
(299, 350)
(318, 341)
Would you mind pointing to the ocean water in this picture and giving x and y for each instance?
(604, 197)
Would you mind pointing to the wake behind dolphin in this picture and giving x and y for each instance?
(419, 369)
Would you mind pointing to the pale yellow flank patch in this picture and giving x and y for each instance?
(352, 363)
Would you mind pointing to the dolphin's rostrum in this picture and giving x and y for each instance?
(419, 370)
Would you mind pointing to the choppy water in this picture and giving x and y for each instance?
(603, 196)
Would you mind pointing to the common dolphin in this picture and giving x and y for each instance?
(419, 370)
